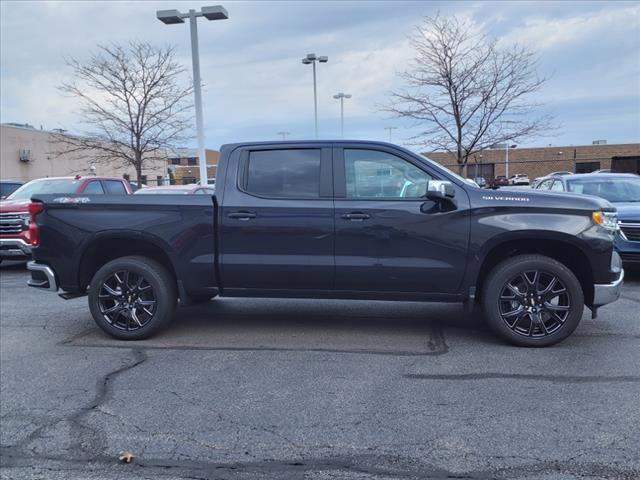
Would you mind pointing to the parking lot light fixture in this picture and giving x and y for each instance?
(170, 17)
(341, 96)
(312, 58)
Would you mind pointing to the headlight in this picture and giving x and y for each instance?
(607, 220)
(26, 219)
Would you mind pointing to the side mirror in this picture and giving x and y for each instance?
(440, 190)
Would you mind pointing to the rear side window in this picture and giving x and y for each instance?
(293, 173)
(94, 188)
(115, 187)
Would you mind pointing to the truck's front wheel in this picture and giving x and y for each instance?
(533, 301)
(131, 298)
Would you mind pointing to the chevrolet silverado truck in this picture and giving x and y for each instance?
(15, 243)
(332, 219)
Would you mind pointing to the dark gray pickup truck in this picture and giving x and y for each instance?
(332, 219)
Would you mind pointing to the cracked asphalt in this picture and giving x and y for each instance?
(271, 389)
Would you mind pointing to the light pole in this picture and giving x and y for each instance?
(506, 147)
(506, 163)
(311, 58)
(170, 17)
(284, 134)
(390, 130)
(341, 96)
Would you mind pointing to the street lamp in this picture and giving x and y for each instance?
(170, 17)
(341, 96)
(390, 130)
(506, 147)
(311, 58)
(284, 134)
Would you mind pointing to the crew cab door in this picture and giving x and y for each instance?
(277, 219)
(389, 237)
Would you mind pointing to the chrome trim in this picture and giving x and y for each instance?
(51, 277)
(20, 246)
(604, 293)
(622, 224)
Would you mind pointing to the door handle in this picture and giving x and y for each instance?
(242, 215)
(356, 216)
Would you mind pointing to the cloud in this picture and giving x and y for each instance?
(255, 84)
(548, 32)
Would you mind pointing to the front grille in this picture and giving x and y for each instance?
(630, 257)
(631, 231)
(11, 223)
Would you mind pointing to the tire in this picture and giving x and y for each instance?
(126, 307)
(529, 310)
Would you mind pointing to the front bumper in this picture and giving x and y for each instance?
(14, 248)
(605, 293)
(42, 276)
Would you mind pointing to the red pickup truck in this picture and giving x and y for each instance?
(15, 241)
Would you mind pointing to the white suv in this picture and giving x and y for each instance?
(519, 179)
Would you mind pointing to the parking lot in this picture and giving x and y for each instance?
(314, 389)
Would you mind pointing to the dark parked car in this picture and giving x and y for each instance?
(332, 219)
(15, 234)
(622, 190)
(7, 187)
(499, 181)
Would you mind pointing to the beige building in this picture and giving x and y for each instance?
(27, 153)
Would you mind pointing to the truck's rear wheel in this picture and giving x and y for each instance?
(131, 298)
(533, 301)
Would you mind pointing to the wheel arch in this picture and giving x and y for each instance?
(104, 248)
(561, 247)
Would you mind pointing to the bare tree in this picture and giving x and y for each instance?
(467, 91)
(131, 103)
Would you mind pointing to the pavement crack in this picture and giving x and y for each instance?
(525, 376)
(85, 439)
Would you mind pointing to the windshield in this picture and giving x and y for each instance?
(45, 185)
(154, 191)
(613, 189)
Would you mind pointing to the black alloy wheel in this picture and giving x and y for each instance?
(532, 300)
(534, 303)
(131, 298)
(127, 300)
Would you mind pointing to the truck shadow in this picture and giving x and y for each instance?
(373, 327)
(322, 325)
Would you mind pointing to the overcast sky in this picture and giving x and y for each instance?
(256, 86)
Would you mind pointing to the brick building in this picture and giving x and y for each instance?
(538, 162)
(183, 165)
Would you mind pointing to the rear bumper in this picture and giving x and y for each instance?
(14, 248)
(608, 292)
(42, 276)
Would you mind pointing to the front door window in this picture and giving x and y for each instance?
(380, 175)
